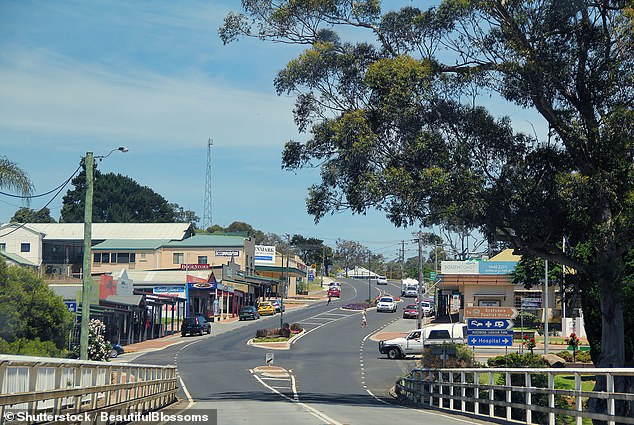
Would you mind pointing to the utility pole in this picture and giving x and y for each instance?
(86, 285)
(86, 281)
(402, 257)
(323, 263)
(369, 280)
(419, 316)
(546, 309)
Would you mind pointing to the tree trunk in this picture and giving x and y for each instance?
(612, 341)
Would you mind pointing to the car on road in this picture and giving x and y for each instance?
(265, 308)
(386, 303)
(334, 291)
(195, 325)
(248, 312)
(381, 280)
(410, 311)
(279, 307)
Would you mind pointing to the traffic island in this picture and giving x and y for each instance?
(275, 345)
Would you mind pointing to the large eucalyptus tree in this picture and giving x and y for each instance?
(395, 106)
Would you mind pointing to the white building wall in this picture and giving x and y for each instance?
(13, 240)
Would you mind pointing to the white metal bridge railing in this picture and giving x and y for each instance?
(58, 389)
(521, 395)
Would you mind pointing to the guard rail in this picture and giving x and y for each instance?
(49, 390)
(521, 395)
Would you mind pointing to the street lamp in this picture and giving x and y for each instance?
(86, 283)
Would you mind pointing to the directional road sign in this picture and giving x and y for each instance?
(481, 323)
(490, 332)
(491, 312)
(490, 341)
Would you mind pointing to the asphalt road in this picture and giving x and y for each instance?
(332, 374)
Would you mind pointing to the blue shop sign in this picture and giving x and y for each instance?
(496, 267)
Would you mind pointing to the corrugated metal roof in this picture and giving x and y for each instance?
(211, 241)
(103, 231)
(17, 259)
(130, 244)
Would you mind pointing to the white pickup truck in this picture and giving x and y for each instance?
(416, 340)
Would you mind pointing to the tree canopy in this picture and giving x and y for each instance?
(28, 215)
(32, 316)
(399, 121)
(13, 177)
(116, 199)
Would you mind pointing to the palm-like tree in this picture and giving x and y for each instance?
(13, 177)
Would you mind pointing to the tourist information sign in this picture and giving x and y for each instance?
(490, 312)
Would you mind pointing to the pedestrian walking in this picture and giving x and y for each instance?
(364, 319)
(329, 299)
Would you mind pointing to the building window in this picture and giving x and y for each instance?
(3, 246)
(132, 257)
(202, 259)
(179, 258)
(25, 247)
(123, 258)
(142, 258)
(105, 257)
(97, 257)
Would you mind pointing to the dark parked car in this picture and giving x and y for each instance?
(116, 350)
(248, 313)
(195, 325)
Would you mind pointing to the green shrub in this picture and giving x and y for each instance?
(517, 360)
(33, 347)
(463, 357)
(296, 327)
(528, 320)
(581, 356)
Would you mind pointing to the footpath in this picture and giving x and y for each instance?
(133, 351)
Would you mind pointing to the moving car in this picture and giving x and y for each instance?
(334, 291)
(381, 280)
(386, 303)
(410, 311)
(195, 325)
(265, 308)
(248, 313)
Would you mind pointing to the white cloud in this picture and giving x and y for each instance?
(46, 93)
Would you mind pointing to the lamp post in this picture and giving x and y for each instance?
(86, 285)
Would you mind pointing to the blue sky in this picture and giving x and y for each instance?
(153, 76)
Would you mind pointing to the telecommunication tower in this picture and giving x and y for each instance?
(207, 222)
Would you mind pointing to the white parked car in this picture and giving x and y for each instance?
(386, 303)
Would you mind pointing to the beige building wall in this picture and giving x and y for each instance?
(167, 258)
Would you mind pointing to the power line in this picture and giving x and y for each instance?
(59, 190)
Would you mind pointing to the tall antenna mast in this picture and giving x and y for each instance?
(207, 222)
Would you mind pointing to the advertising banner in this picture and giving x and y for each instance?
(264, 255)
(459, 267)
